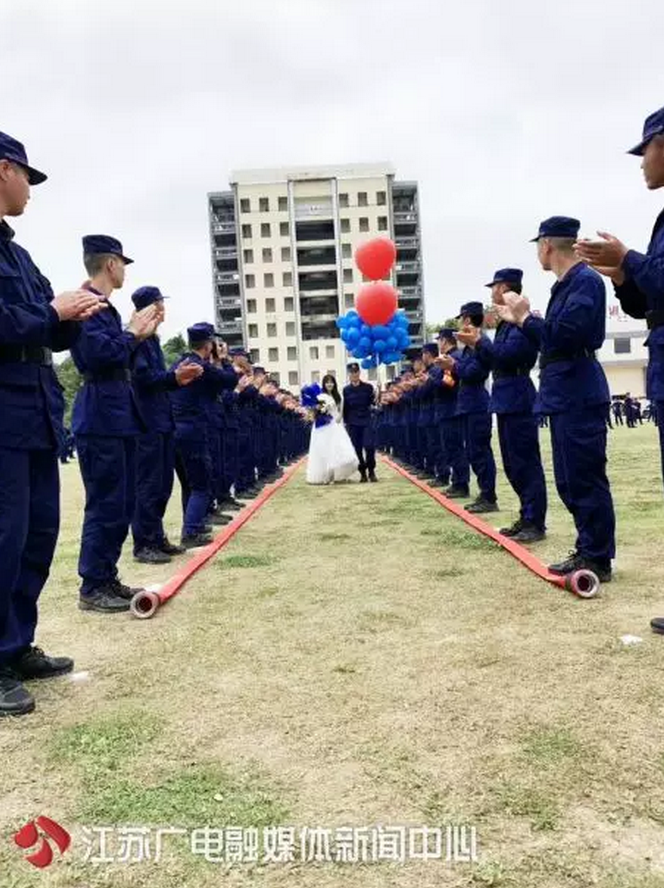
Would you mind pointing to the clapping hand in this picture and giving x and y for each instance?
(187, 372)
(77, 305)
(468, 335)
(515, 309)
(605, 255)
(144, 323)
(446, 362)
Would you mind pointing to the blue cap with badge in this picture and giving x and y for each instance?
(145, 296)
(14, 151)
(558, 226)
(471, 308)
(104, 244)
(653, 126)
(506, 276)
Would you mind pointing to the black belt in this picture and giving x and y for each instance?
(123, 375)
(26, 354)
(508, 374)
(655, 319)
(554, 357)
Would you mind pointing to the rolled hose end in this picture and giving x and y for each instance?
(583, 583)
(144, 604)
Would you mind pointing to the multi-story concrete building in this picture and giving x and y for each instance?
(283, 242)
(624, 355)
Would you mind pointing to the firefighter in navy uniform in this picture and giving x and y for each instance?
(33, 324)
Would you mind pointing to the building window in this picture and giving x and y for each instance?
(283, 204)
(346, 251)
(276, 378)
(245, 205)
(251, 306)
(272, 330)
(248, 257)
(391, 371)
(364, 223)
(289, 304)
(246, 232)
(382, 223)
(253, 331)
(329, 351)
(381, 198)
(255, 355)
(345, 226)
(350, 300)
(315, 376)
(288, 278)
(348, 275)
(285, 254)
(249, 280)
(373, 374)
(270, 306)
(264, 204)
(313, 352)
(343, 200)
(273, 354)
(268, 280)
(267, 254)
(622, 345)
(292, 353)
(362, 199)
(266, 230)
(290, 328)
(292, 377)
(284, 229)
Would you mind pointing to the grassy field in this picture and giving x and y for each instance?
(357, 657)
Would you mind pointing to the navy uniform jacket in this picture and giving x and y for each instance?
(106, 405)
(448, 394)
(511, 356)
(430, 393)
(471, 375)
(31, 402)
(357, 404)
(193, 404)
(643, 292)
(574, 327)
(152, 383)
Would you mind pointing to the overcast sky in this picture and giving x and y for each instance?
(505, 112)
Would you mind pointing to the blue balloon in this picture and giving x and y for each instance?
(353, 324)
(392, 342)
(352, 314)
(341, 323)
(402, 319)
(379, 346)
(359, 353)
(380, 331)
(367, 363)
(365, 330)
(344, 333)
(353, 335)
(365, 342)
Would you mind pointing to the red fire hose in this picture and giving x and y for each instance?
(146, 603)
(583, 583)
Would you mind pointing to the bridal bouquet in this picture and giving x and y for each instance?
(313, 397)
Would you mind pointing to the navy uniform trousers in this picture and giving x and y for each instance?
(195, 463)
(454, 450)
(578, 438)
(29, 523)
(155, 465)
(477, 439)
(108, 469)
(364, 442)
(518, 434)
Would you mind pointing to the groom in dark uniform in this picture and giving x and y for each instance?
(358, 399)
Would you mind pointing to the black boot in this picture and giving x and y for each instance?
(170, 548)
(576, 561)
(372, 477)
(104, 600)
(14, 698)
(33, 664)
(195, 540)
(482, 505)
(152, 556)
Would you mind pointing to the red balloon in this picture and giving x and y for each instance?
(376, 303)
(376, 257)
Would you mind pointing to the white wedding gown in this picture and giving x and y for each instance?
(332, 456)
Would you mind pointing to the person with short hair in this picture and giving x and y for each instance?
(33, 324)
(573, 391)
(358, 399)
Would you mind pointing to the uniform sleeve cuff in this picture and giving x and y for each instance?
(632, 263)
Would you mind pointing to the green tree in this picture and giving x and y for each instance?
(432, 329)
(71, 381)
(174, 348)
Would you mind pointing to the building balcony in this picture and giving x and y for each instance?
(410, 293)
(313, 208)
(405, 241)
(225, 252)
(411, 267)
(317, 281)
(229, 327)
(318, 255)
(227, 277)
(229, 302)
(314, 230)
(317, 319)
(415, 316)
(223, 227)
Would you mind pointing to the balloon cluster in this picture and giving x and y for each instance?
(375, 344)
(375, 333)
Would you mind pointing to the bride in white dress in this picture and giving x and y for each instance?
(332, 456)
